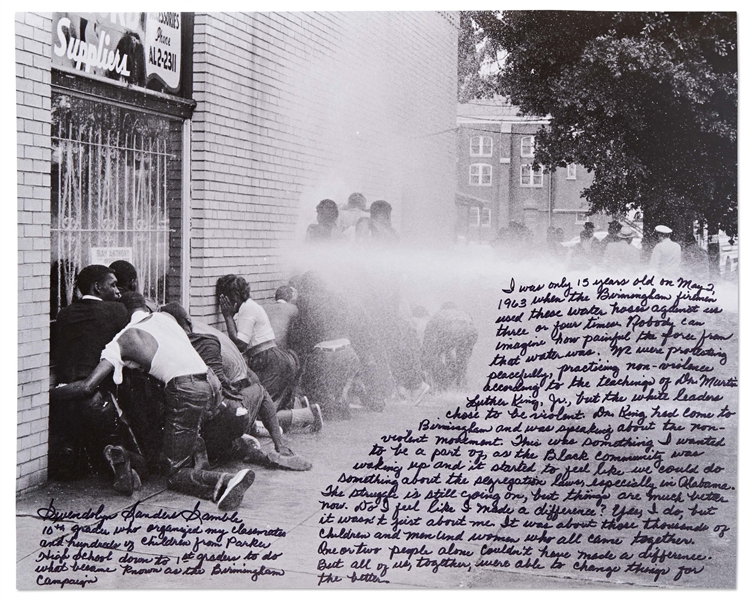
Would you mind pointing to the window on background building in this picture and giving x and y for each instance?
(480, 174)
(581, 218)
(531, 176)
(527, 146)
(572, 171)
(485, 217)
(473, 216)
(481, 146)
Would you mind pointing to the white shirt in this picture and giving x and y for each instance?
(252, 324)
(175, 355)
(666, 258)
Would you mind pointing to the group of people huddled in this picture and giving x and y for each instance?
(615, 250)
(514, 241)
(353, 223)
(359, 339)
(143, 390)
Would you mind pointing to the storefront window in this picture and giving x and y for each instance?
(116, 194)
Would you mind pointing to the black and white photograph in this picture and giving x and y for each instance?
(398, 298)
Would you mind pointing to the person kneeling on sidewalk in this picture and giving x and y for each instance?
(226, 434)
(155, 343)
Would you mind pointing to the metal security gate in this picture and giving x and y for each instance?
(115, 180)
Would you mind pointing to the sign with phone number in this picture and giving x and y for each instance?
(137, 48)
(163, 33)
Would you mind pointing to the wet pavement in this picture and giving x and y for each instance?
(291, 501)
(277, 499)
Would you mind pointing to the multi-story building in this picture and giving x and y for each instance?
(498, 181)
(196, 145)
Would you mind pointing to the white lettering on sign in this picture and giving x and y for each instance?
(91, 55)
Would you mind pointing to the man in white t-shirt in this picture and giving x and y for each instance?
(155, 343)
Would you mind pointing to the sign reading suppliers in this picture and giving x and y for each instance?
(142, 49)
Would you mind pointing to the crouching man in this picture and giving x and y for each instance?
(244, 398)
(447, 346)
(156, 344)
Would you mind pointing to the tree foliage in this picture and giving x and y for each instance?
(645, 101)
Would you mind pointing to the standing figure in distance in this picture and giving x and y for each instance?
(622, 255)
(377, 228)
(666, 256)
(354, 210)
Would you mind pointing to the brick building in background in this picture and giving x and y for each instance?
(206, 151)
(498, 182)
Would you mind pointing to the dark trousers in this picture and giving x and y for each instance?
(142, 400)
(186, 399)
(277, 370)
(79, 431)
(375, 384)
(220, 432)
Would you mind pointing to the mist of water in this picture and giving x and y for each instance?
(431, 275)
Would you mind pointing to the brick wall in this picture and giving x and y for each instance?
(296, 107)
(292, 108)
(33, 42)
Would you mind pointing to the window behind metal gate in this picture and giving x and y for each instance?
(116, 193)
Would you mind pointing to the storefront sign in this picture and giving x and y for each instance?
(142, 49)
(163, 31)
(105, 256)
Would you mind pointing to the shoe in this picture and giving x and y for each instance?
(119, 461)
(242, 446)
(293, 462)
(235, 490)
(255, 456)
(418, 397)
(317, 414)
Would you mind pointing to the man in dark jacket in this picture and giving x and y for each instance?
(81, 429)
(155, 343)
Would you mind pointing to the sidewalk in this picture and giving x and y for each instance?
(278, 499)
